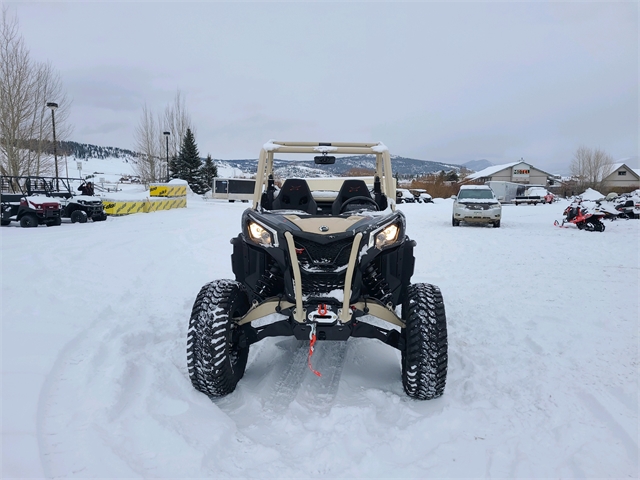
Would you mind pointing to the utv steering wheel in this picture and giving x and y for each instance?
(366, 200)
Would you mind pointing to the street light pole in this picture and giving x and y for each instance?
(53, 107)
(166, 135)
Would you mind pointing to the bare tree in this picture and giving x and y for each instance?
(148, 138)
(177, 120)
(590, 166)
(151, 143)
(25, 122)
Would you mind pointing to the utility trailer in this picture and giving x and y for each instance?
(233, 189)
(506, 192)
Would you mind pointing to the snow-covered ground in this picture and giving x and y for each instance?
(113, 169)
(110, 169)
(543, 348)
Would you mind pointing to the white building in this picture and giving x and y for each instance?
(516, 172)
(622, 178)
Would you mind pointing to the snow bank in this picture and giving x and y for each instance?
(591, 194)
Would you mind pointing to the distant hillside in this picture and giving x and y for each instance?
(402, 166)
(477, 165)
(86, 150)
(407, 167)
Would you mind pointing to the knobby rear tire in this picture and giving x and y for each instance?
(78, 216)
(215, 358)
(425, 357)
(29, 220)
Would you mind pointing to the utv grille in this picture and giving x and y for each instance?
(321, 283)
(331, 255)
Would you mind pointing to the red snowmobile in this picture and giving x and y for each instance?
(582, 218)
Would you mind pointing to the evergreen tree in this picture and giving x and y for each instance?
(189, 163)
(175, 168)
(209, 172)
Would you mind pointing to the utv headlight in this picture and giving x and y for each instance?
(386, 236)
(260, 234)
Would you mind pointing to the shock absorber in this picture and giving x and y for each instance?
(377, 284)
(268, 283)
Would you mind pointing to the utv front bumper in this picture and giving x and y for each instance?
(332, 319)
(325, 318)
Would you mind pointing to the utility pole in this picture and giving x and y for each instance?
(166, 136)
(53, 107)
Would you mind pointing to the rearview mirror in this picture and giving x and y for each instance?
(324, 160)
(453, 197)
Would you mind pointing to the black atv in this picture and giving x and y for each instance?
(30, 210)
(326, 261)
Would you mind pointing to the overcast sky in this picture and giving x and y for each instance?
(435, 81)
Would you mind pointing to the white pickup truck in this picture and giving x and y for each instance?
(533, 196)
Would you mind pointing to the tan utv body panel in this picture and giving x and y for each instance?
(332, 224)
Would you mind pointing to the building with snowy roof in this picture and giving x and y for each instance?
(622, 178)
(516, 172)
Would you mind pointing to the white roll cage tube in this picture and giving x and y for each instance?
(383, 162)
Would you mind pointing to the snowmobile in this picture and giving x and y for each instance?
(583, 218)
(628, 208)
(321, 265)
(607, 210)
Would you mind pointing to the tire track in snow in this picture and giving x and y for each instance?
(298, 384)
(318, 393)
(293, 382)
(110, 385)
(286, 387)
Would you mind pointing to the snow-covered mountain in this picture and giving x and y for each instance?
(118, 162)
(477, 165)
(290, 168)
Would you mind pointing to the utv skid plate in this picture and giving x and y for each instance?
(323, 318)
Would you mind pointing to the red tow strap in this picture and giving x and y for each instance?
(312, 342)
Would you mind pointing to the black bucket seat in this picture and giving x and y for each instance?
(295, 195)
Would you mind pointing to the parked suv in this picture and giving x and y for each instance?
(404, 196)
(332, 264)
(476, 204)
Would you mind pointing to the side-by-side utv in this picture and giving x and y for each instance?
(19, 204)
(326, 257)
(78, 208)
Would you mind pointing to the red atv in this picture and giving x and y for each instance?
(582, 218)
